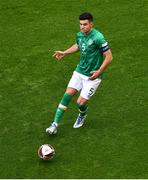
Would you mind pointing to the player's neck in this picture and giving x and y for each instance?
(87, 33)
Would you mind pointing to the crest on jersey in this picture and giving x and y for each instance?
(90, 41)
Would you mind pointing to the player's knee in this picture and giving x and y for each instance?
(81, 101)
(71, 91)
(79, 104)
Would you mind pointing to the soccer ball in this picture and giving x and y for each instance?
(46, 152)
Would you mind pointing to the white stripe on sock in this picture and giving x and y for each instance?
(62, 107)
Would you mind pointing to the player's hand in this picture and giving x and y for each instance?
(58, 54)
(94, 75)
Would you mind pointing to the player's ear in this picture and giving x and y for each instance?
(91, 24)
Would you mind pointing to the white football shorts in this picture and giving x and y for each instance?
(82, 84)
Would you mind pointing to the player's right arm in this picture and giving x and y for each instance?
(60, 54)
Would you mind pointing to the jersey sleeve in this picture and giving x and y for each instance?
(102, 43)
(77, 39)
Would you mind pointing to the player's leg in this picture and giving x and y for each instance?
(82, 107)
(73, 87)
(88, 90)
(62, 107)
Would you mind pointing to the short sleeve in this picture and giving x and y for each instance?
(77, 39)
(102, 43)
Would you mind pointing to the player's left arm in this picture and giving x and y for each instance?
(107, 60)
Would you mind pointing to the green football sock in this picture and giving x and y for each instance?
(62, 107)
(82, 109)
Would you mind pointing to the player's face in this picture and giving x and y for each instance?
(85, 26)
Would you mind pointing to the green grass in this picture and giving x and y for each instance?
(113, 142)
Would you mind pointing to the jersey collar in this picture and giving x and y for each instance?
(88, 32)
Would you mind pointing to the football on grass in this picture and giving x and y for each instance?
(46, 152)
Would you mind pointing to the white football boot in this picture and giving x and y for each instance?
(52, 129)
(79, 121)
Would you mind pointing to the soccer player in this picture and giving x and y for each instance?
(95, 56)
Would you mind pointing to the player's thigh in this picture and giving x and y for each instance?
(75, 82)
(89, 88)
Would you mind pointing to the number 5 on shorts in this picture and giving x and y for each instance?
(91, 91)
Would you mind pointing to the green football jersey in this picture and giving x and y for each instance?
(91, 48)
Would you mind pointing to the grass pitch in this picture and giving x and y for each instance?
(113, 142)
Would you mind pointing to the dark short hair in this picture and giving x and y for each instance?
(86, 16)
